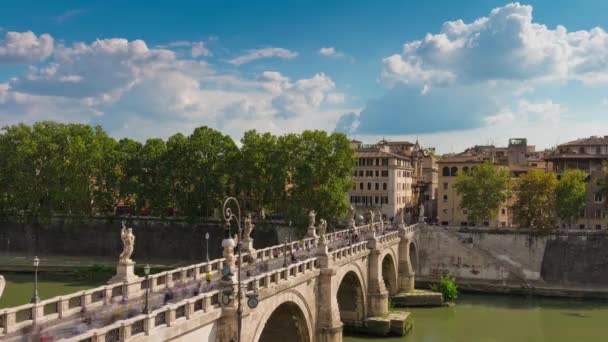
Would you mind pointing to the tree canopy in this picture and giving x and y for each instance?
(570, 195)
(51, 168)
(535, 205)
(483, 189)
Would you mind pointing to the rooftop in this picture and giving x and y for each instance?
(462, 158)
(590, 141)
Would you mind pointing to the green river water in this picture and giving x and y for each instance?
(487, 318)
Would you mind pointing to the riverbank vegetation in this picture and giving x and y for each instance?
(447, 287)
(51, 168)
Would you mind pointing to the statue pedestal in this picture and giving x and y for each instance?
(125, 272)
(312, 232)
(421, 219)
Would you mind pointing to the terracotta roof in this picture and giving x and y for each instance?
(462, 159)
(355, 141)
(594, 140)
(576, 156)
(369, 154)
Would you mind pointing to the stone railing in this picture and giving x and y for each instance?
(16, 318)
(146, 324)
(388, 236)
(191, 308)
(20, 317)
(279, 275)
(348, 251)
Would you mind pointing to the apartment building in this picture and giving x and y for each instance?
(588, 155)
(393, 175)
(450, 212)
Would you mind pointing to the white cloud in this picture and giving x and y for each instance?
(199, 49)
(125, 84)
(328, 51)
(270, 52)
(506, 45)
(543, 111)
(25, 47)
(500, 118)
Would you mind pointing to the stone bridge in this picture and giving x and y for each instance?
(308, 290)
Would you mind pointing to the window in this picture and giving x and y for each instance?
(445, 198)
(453, 171)
(384, 161)
(376, 199)
(534, 165)
(444, 223)
(465, 169)
(377, 173)
(446, 171)
(369, 186)
(598, 150)
(361, 186)
(503, 211)
(360, 173)
(377, 162)
(384, 186)
(445, 186)
(384, 173)
(377, 186)
(581, 150)
(599, 197)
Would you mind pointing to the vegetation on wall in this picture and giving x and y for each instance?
(51, 168)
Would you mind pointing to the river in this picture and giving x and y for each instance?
(488, 318)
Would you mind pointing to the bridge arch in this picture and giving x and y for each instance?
(389, 273)
(289, 315)
(413, 256)
(351, 298)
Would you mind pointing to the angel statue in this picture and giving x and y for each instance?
(128, 243)
(248, 227)
(322, 230)
(311, 218)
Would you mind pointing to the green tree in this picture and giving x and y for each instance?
(261, 175)
(155, 182)
(483, 189)
(535, 205)
(319, 168)
(570, 195)
(128, 155)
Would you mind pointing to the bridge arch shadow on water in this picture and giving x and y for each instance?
(286, 323)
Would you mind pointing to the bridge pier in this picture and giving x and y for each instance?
(329, 327)
(406, 274)
(377, 296)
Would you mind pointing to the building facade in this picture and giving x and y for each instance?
(588, 155)
(390, 176)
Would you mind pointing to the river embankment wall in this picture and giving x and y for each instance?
(156, 239)
(508, 259)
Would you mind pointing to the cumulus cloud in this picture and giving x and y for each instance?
(25, 47)
(123, 84)
(506, 45)
(270, 52)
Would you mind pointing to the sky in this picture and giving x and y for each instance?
(451, 74)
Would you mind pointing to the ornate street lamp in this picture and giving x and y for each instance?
(36, 298)
(207, 244)
(252, 301)
(147, 273)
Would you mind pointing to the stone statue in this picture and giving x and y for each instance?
(371, 217)
(421, 213)
(2, 283)
(128, 243)
(311, 218)
(351, 213)
(401, 216)
(322, 230)
(248, 228)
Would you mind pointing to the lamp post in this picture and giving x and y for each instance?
(36, 298)
(285, 253)
(147, 273)
(207, 245)
(252, 302)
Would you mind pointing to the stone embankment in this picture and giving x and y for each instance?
(519, 261)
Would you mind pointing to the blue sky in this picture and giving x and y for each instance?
(450, 73)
